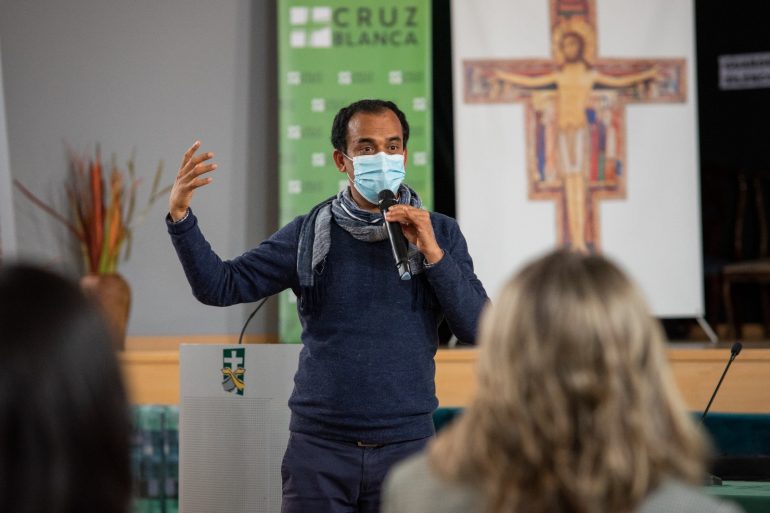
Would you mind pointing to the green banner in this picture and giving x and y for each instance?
(332, 53)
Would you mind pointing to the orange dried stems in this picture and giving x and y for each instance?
(101, 229)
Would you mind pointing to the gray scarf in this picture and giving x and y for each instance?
(315, 235)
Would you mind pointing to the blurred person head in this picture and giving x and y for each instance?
(64, 419)
(576, 408)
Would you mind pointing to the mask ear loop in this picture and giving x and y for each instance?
(351, 183)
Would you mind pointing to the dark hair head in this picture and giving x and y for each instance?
(341, 120)
(64, 418)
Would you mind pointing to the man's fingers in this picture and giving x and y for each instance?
(190, 186)
(187, 159)
(191, 175)
(187, 179)
(189, 153)
(202, 170)
(405, 214)
(197, 159)
(397, 216)
(200, 182)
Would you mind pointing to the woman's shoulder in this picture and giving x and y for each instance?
(412, 486)
(677, 497)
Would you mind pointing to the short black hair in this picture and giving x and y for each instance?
(65, 428)
(341, 120)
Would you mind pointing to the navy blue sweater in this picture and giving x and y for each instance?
(366, 371)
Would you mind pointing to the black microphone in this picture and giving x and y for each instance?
(387, 199)
(733, 353)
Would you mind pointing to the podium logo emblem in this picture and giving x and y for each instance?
(234, 370)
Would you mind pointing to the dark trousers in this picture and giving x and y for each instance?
(328, 476)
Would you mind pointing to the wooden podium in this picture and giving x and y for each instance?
(153, 377)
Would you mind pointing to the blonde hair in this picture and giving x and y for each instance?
(576, 408)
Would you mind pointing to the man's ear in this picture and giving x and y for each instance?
(339, 161)
(406, 156)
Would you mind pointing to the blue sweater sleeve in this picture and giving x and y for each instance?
(260, 272)
(459, 292)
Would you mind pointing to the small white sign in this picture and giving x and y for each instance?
(298, 39)
(321, 38)
(318, 159)
(294, 132)
(744, 71)
(294, 186)
(395, 77)
(298, 15)
(322, 14)
(294, 77)
(318, 105)
(344, 78)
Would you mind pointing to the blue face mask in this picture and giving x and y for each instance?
(374, 173)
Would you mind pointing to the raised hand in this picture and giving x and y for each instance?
(188, 179)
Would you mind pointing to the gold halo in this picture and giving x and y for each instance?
(579, 26)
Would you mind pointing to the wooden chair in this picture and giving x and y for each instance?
(748, 270)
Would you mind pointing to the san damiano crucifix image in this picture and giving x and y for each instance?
(575, 115)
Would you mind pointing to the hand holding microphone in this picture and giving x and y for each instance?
(385, 200)
(416, 226)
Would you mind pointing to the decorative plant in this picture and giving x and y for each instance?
(103, 208)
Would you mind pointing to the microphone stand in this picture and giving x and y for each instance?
(711, 479)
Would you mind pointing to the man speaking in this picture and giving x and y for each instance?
(364, 391)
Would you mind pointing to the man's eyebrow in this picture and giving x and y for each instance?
(396, 138)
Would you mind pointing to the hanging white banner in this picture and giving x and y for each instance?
(575, 123)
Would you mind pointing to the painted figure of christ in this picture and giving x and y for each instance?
(574, 83)
(575, 115)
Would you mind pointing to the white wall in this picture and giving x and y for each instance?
(152, 75)
(7, 226)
